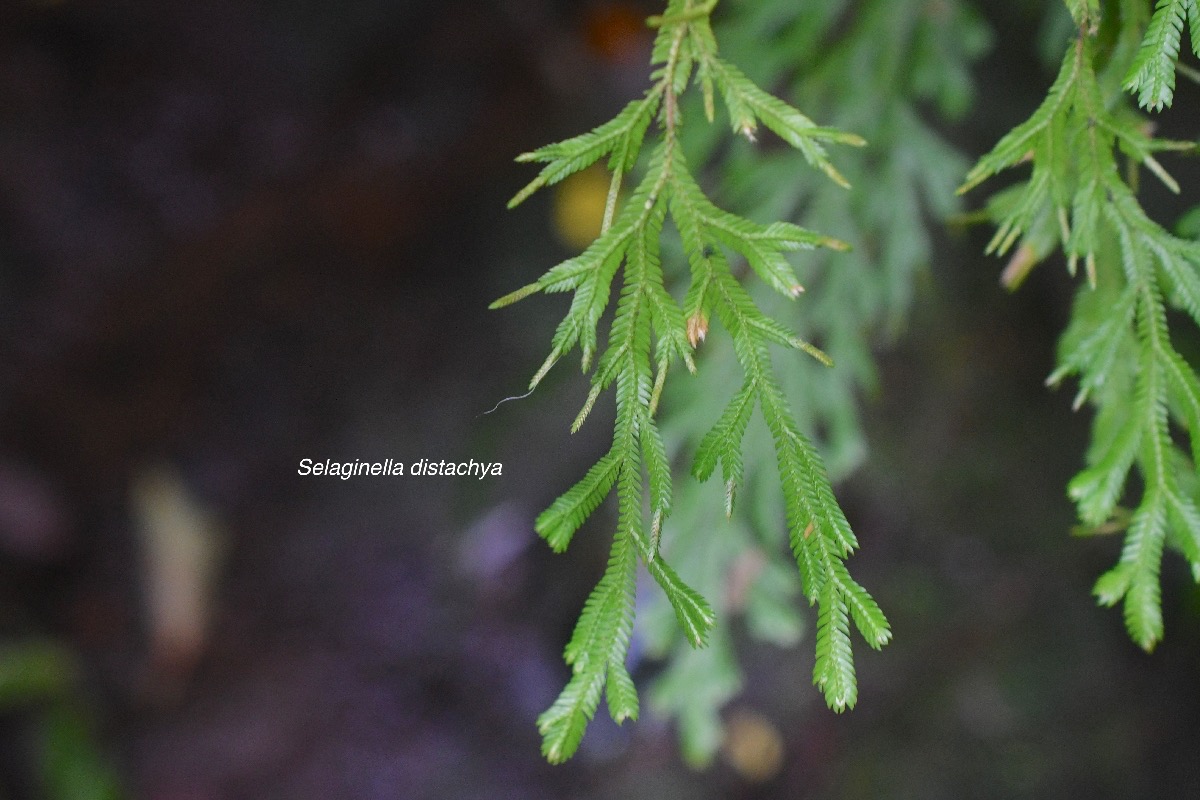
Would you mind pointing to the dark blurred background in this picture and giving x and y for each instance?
(237, 235)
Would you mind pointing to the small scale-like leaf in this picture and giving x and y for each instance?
(1098, 488)
(833, 671)
(747, 103)
(777, 333)
(622, 136)
(1112, 585)
(658, 468)
(599, 629)
(695, 616)
(1152, 74)
(621, 694)
(513, 297)
(723, 442)
(558, 523)
(868, 618)
(1016, 144)
(563, 724)
(1143, 553)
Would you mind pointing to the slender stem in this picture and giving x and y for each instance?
(610, 203)
(670, 103)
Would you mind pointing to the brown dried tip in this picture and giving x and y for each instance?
(1018, 268)
(808, 531)
(697, 329)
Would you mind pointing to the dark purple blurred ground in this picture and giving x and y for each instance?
(235, 236)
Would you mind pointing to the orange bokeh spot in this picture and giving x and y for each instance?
(616, 32)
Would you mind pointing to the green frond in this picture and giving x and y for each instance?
(1183, 388)
(621, 136)
(695, 616)
(599, 623)
(1015, 145)
(1099, 334)
(558, 523)
(748, 105)
(1152, 74)
(649, 331)
(1143, 553)
(1097, 490)
(513, 297)
(865, 612)
(575, 273)
(666, 318)
(723, 442)
(658, 468)
(833, 671)
(621, 694)
(819, 533)
(600, 641)
(1180, 272)
(1194, 27)
(763, 246)
(1118, 344)
(669, 326)
(563, 724)
(1140, 147)
(776, 333)
(1183, 518)
(799, 458)
(1113, 585)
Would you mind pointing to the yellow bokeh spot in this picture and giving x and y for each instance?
(753, 746)
(579, 206)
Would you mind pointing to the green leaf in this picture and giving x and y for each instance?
(1143, 553)
(695, 616)
(658, 468)
(1015, 145)
(1184, 388)
(723, 442)
(1086, 14)
(869, 620)
(621, 136)
(833, 671)
(558, 523)
(776, 333)
(600, 640)
(1152, 74)
(621, 693)
(604, 612)
(648, 332)
(748, 104)
(1184, 515)
(563, 724)
(1098, 488)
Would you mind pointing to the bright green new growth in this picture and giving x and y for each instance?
(1117, 343)
(649, 333)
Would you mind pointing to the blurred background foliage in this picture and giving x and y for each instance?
(233, 236)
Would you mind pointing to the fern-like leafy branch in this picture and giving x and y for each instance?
(650, 332)
(1118, 343)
